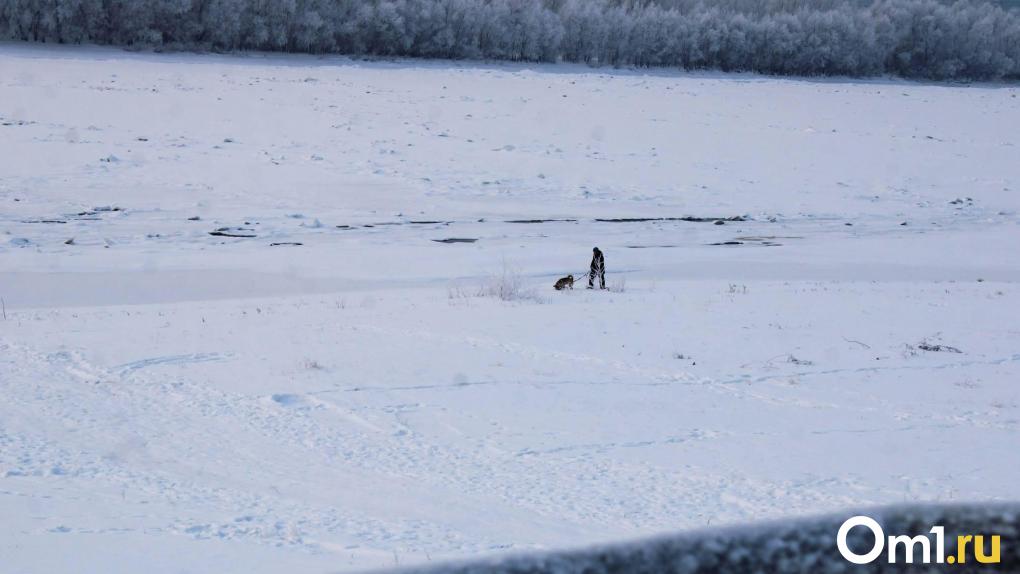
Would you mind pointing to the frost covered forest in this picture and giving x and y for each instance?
(962, 40)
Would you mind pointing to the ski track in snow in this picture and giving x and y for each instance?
(171, 360)
(311, 434)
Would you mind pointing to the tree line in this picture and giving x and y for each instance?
(934, 39)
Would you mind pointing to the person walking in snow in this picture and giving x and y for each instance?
(598, 267)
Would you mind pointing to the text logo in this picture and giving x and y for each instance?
(966, 544)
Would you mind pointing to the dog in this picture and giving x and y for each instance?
(565, 283)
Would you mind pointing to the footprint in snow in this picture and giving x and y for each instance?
(289, 400)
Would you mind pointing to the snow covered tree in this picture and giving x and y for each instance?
(939, 39)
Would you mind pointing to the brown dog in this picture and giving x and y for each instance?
(564, 283)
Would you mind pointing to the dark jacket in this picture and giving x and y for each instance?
(598, 262)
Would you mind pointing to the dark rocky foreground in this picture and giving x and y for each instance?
(791, 546)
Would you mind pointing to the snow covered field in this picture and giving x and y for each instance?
(192, 402)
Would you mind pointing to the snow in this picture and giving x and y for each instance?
(180, 401)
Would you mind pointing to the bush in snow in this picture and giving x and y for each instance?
(508, 285)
